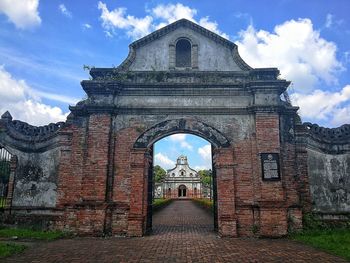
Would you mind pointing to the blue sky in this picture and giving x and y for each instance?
(44, 45)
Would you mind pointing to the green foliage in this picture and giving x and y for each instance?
(159, 203)
(158, 173)
(87, 67)
(206, 177)
(205, 203)
(335, 241)
(31, 234)
(8, 249)
(312, 221)
(326, 235)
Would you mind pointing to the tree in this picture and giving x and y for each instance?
(205, 176)
(158, 173)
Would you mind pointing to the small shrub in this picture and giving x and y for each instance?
(160, 203)
(205, 203)
(8, 249)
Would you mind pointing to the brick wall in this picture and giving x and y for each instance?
(247, 205)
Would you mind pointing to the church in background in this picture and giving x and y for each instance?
(180, 182)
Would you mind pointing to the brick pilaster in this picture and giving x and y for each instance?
(138, 166)
(223, 165)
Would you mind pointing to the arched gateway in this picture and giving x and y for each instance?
(95, 168)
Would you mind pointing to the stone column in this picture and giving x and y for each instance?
(138, 193)
(223, 164)
(11, 184)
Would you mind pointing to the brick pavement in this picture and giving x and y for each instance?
(182, 233)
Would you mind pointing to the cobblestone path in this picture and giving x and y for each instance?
(182, 233)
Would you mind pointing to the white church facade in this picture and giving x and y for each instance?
(180, 182)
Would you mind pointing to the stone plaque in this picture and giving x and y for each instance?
(270, 166)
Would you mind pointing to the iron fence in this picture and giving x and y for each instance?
(5, 170)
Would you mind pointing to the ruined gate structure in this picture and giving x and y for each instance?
(90, 174)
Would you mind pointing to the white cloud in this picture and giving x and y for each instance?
(212, 26)
(202, 167)
(64, 10)
(324, 105)
(329, 20)
(170, 12)
(181, 139)
(332, 23)
(163, 161)
(158, 17)
(117, 19)
(298, 50)
(24, 103)
(205, 152)
(23, 13)
(87, 26)
(178, 137)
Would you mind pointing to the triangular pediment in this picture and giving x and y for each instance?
(158, 50)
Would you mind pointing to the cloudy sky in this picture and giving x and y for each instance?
(44, 45)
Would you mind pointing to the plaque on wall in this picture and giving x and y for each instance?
(270, 166)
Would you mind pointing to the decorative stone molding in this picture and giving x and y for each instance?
(113, 77)
(181, 125)
(339, 135)
(23, 131)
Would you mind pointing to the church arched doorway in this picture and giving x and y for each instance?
(182, 191)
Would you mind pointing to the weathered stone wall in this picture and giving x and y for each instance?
(329, 168)
(208, 54)
(329, 181)
(38, 155)
(36, 179)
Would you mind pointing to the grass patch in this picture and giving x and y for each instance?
(335, 241)
(8, 249)
(205, 203)
(31, 234)
(159, 203)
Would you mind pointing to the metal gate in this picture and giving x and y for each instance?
(5, 171)
(150, 193)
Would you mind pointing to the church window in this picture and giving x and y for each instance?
(191, 174)
(183, 53)
(173, 174)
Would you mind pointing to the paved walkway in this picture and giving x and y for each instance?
(182, 233)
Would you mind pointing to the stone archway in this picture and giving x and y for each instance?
(100, 158)
(223, 175)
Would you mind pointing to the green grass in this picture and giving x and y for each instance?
(31, 234)
(335, 241)
(205, 203)
(159, 203)
(8, 249)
